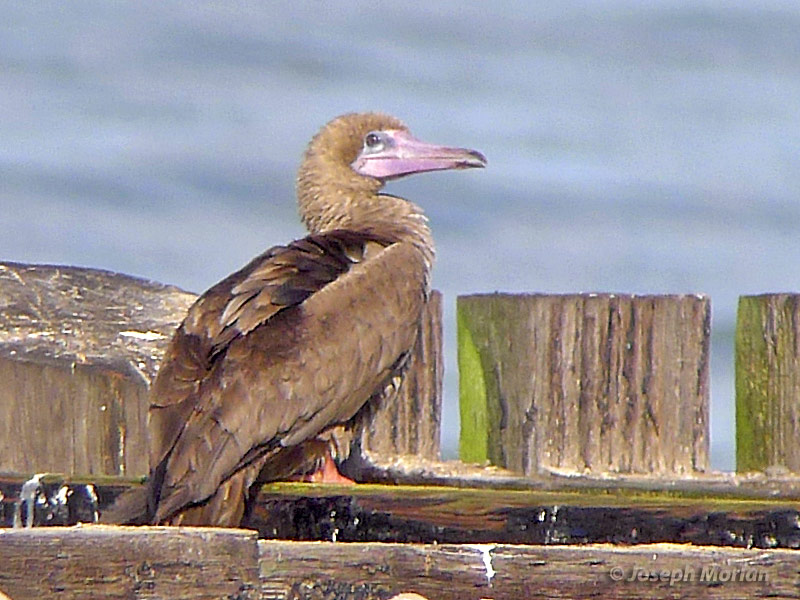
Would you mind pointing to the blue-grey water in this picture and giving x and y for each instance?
(633, 146)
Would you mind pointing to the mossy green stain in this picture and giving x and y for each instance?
(473, 404)
(467, 499)
(760, 347)
(751, 375)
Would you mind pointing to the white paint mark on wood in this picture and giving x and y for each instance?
(486, 554)
(143, 335)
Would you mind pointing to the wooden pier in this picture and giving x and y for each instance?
(584, 446)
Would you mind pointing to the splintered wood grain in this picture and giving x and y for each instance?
(128, 562)
(411, 423)
(585, 382)
(768, 382)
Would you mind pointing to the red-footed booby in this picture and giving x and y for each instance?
(276, 361)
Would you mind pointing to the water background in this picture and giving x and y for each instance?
(649, 147)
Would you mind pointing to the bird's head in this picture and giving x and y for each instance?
(352, 157)
(388, 150)
(380, 147)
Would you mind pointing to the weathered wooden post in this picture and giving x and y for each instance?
(768, 382)
(585, 382)
(412, 423)
(78, 348)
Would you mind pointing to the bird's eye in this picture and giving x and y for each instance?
(373, 141)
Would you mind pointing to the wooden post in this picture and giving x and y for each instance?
(78, 348)
(585, 382)
(411, 424)
(768, 382)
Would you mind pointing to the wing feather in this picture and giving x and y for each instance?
(232, 386)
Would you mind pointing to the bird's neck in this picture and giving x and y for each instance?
(360, 207)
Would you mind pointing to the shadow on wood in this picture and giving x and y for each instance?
(465, 516)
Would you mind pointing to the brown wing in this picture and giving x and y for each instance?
(295, 342)
(282, 276)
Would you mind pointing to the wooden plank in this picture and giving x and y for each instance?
(327, 571)
(462, 516)
(585, 382)
(129, 562)
(407, 470)
(181, 563)
(712, 509)
(768, 382)
(78, 348)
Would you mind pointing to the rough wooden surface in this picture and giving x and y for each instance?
(128, 562)
(320, 571)
(585, 382)
(412, 424)
(768, 382)
(78, 348)
(161, 562)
